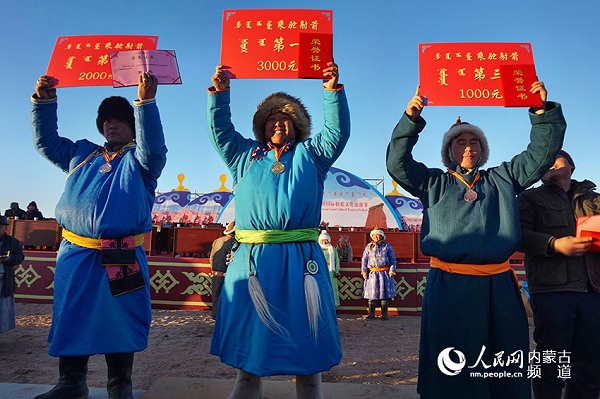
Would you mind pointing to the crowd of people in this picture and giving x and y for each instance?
(31, 213)
(275, 273)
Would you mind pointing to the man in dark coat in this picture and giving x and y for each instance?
(564, 281)
(14, 211)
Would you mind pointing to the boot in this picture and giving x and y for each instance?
(372, 306)
(384, 310)
(119, 375)
(72, 380)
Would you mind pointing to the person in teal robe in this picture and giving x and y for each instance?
(276, 314)
(473, 319)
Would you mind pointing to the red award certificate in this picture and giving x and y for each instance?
(126, 66)
(277, 43)
(516, 85)
(85, 60)
(589, 226)
(468, 73)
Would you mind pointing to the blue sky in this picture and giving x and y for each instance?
(375, 45)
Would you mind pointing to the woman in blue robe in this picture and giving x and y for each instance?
(269, 320)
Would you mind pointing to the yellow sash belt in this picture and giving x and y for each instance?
(94, 243)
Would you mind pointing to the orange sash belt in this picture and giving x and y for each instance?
(472, 269)
(379, 269)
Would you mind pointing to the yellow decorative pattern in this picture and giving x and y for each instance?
(202, 284)
(350, 287)
(403, 288)
(26, 276)
(421, 286)
(163, 281)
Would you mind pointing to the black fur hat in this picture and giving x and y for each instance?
(284, 103)
(115, 107)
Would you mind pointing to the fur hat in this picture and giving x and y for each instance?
(115, 107)
(284, 103)
(456, 130)
(324, 236)
(230, 229)
(377, 230)
(565, 155)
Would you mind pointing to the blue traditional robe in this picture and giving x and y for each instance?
(86, 318)
(269, 201)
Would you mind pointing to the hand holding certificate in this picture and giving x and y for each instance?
(589, 226)
(128, 65)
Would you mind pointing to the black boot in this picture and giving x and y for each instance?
(384, 310)
(372, 306)
(119, 375)
(72, 381)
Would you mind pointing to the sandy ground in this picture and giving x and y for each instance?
(374, 352)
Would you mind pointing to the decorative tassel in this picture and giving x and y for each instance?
(262, 306)
(313, 303)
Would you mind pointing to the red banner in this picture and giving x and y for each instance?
(277, 43)
(85, 60)
(468, 73)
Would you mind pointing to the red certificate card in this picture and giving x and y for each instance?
(589, 226)
(315, 51)
(467, 73)
(85, 60)
(516, 83)
(271, 43)
(126, 66)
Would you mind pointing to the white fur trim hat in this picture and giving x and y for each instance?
(324, 236)
(456, 130)
(284, 103)
(377, 231)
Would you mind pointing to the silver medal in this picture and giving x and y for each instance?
(277, 168)
(470, 196)
(105, 168)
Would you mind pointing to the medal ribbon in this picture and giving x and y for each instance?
(278, 151)
(109, 158)
(462, 179)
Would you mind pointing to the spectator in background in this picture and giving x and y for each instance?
(11, 255)
(333, 264)
(32, 212)
(14, 211)
(220, 257)
(378, 270)
(344, 249)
